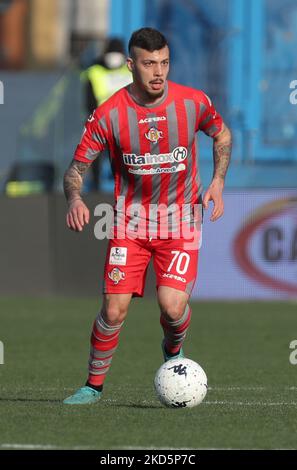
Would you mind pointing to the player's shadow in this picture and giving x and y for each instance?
(115, 405)
(137, 406)
(30, 400)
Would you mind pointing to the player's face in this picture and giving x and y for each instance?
(149, 70)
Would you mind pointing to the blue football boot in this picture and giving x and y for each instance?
(167, 357)
(83, 396)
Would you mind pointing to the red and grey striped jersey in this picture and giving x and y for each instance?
(153, 149)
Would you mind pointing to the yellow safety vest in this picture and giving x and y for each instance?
(23, 188)
(106, 82)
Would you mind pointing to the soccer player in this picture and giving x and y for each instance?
(149, 128)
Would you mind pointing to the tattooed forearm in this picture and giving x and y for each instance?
(222, 147)
(73, 180)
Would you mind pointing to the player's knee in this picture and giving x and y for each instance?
(173, 312)
(114, 314)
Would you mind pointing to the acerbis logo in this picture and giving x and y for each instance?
(173, 276)
(152, 119)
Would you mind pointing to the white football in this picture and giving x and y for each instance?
(181, 383)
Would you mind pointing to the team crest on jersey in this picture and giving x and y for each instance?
(153, 135)
(116, 275)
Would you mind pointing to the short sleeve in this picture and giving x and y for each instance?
(210, 121)
(93, 140)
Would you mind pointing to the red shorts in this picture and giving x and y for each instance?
(175, 263)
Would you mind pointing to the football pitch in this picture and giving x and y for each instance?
(243, 347)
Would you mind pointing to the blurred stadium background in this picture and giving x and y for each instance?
(243, 53)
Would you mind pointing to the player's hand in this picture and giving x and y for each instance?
(77, 216)
(215, 193)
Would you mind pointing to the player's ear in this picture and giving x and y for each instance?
(130, 64)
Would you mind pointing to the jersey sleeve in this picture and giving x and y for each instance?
(93, 141)
(210, 121)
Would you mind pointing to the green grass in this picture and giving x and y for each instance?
(243, 347)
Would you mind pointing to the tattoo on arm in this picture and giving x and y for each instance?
(221, 157)
(73, 180)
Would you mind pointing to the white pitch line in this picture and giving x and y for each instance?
(154, 403)
(260, 389)
(215, 402)
(251, 403)
(27, 446)
(52, 447)
(40, 446)
(233, 388)
(230, 388)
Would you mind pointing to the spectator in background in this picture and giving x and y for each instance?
(103, 79)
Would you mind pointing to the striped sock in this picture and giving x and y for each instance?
(104, 342)
(175, 331)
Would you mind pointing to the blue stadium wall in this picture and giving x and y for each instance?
(243, 54)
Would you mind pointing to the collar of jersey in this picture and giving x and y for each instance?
(150, 106)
